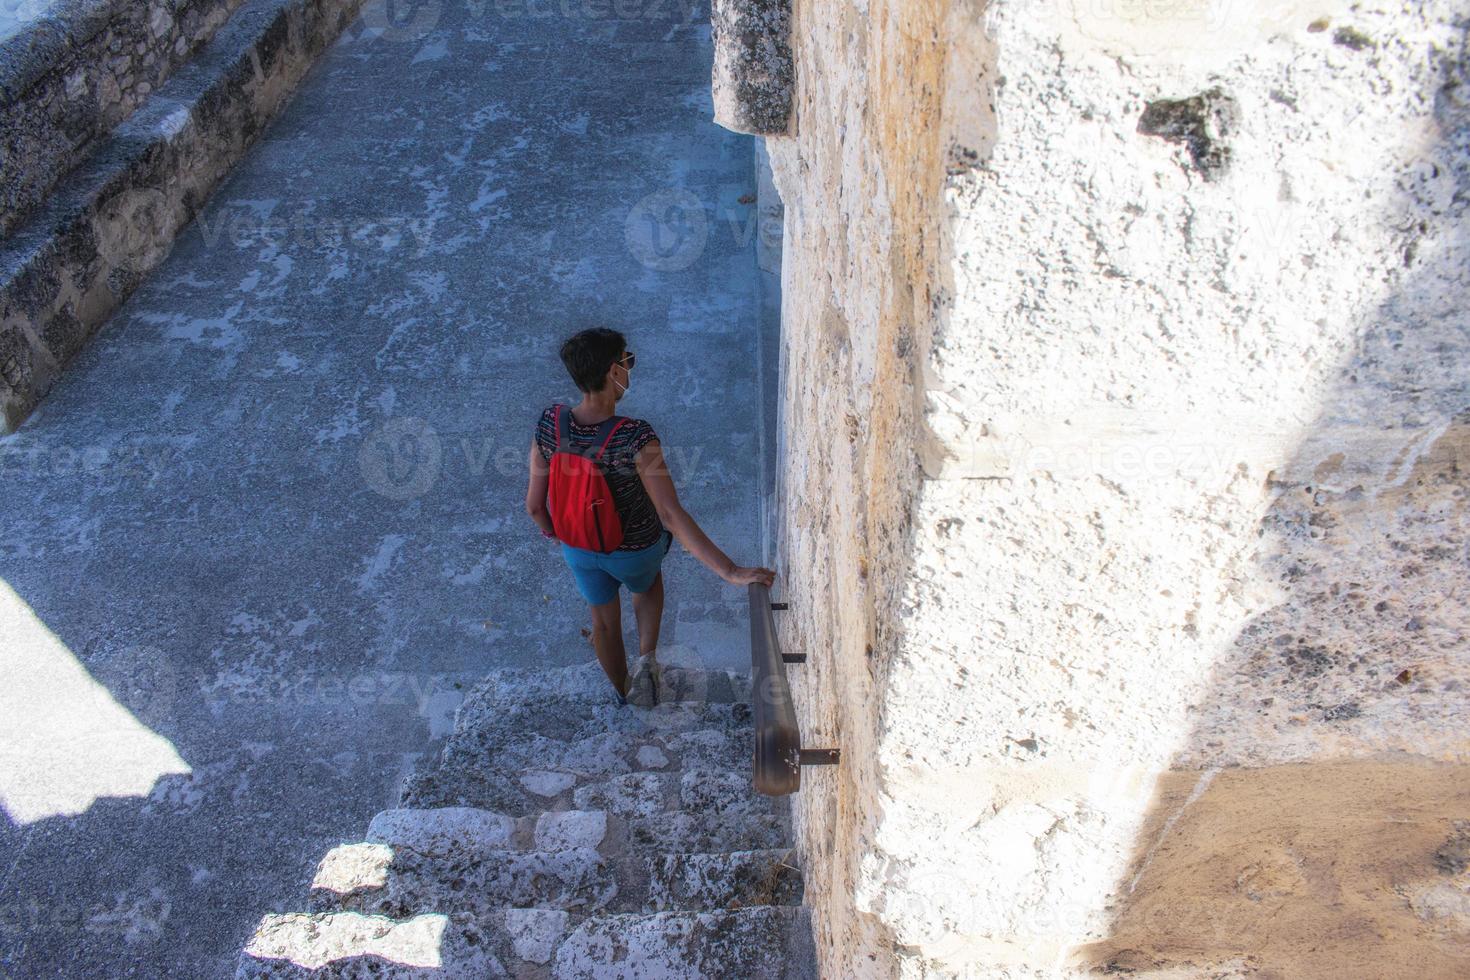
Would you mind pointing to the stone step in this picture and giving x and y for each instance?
(113, 218)
(483, 727)
(767, 942)
(633, 823)
(698, 809)
(738, 879)
(586, 684)
(375, 879)
(608, 753)
(419, 861)
(522, 772)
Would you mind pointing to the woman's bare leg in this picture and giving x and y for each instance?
(648, 610)
(607, 640)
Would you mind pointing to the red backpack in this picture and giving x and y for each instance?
(582, 510)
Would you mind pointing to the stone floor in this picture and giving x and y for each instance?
(270, 525)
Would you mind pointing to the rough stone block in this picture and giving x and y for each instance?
(547, 784)
(716, 881)
(564, 829)
(756, 942)
(636, 794)
(754, 74)
(442, 831)
(479, 884)
(535, 933)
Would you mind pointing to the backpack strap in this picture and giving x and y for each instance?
(612, 425)
(605, 431)
(561, 426)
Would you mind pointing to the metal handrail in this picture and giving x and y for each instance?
(778, 752)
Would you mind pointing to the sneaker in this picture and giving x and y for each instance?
(643, 684)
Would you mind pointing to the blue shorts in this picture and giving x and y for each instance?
(599, 575)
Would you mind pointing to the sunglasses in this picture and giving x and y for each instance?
(628, 360)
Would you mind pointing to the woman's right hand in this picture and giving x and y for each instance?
(745, 576)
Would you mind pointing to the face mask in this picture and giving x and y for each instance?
(622, 386)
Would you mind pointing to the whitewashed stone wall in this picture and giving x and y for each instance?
(1124, 488)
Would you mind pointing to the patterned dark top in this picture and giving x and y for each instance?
(641, 526)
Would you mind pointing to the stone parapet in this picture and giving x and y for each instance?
(115, 217)
(68, 78)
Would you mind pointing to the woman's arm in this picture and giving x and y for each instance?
(655, 474)
(536, 491)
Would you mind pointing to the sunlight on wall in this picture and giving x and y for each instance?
(64, 741)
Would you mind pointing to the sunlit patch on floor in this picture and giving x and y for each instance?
(65, 742)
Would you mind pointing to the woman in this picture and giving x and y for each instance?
(648, 511)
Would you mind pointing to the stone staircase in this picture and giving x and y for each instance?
(560, 834)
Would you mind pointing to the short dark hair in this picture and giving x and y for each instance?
(589, 354)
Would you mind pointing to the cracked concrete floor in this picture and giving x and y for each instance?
(270, 522)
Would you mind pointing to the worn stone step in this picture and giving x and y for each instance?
(489, 726)
(768, 942)
(732, 824)
(588, 739)
(705, 809)
(763, 943)
(375, 879)
(710, 811)
(685, 832)
(353, 945)
(447, 830)
(715, 810)
(586, 684)
(521, 771)
(425, 861)
(737, 879)
(610, 753)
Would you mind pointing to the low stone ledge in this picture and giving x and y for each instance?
(115, 217)
(69, 77)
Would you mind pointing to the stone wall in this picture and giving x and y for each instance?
(1129, 547)
(66, 80)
